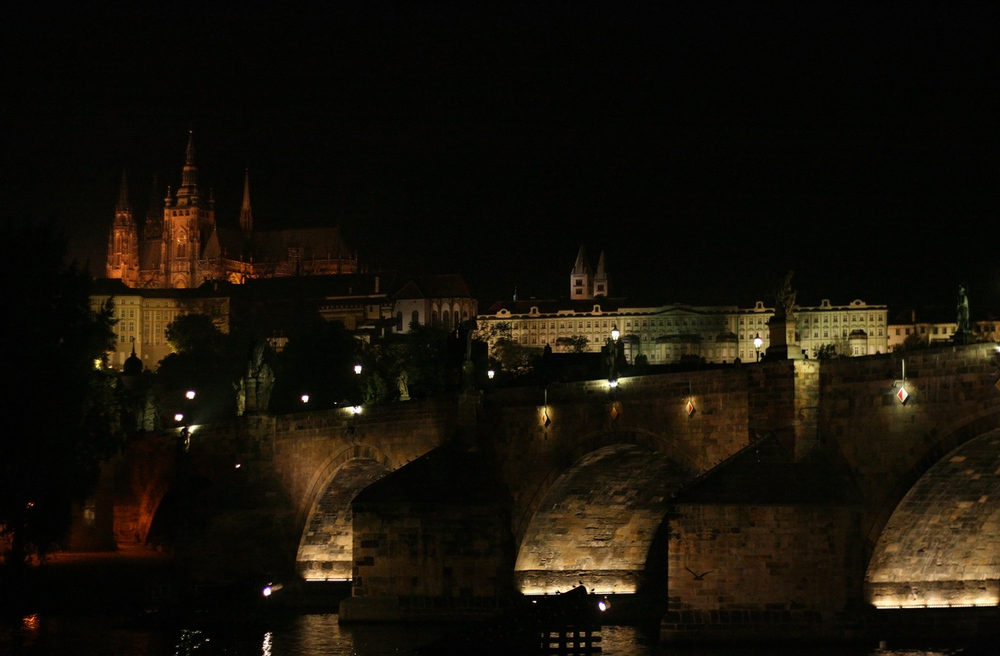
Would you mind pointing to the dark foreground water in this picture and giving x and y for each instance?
(321, 635)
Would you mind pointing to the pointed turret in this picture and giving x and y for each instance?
(579, 278)
(187, 193)
(601, 284)
(123, 243)
(246, 213)
(123, 205)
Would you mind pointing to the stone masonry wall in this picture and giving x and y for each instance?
(732, 568)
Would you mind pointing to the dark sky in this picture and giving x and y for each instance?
(707, 149)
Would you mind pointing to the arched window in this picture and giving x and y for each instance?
(446, 319)
(415, 320)
(399, 322)
(434, 317)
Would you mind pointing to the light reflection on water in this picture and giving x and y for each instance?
(320, 635)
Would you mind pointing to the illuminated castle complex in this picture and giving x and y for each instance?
(181, 246)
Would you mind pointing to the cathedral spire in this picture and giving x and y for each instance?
(601, 287)
(580, 284)
(189, 178)
(246, 213)
(123, 205)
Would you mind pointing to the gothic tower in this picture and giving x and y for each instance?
(188, 221)
(123, 242)
(602, 286)
(246, 214)
(579, 278)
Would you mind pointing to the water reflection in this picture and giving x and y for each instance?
(322, 635)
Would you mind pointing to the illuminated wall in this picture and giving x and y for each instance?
(941, 546)
(597, 523)
(327, 542)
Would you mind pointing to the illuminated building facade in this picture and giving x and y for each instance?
(181, 246)
(674, 333)
(142, 316)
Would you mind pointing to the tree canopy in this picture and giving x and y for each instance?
(59, 412)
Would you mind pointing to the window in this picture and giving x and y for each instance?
(415, 317)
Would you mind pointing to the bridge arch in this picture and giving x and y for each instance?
(596, 520)
(324, 518)
(941, 546)
(592, 442)
(954, 435)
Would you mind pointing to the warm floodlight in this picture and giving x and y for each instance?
(356, 409)
(189, 395)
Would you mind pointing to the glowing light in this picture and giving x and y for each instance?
(265, 648)
(189, 395)
(30, 623)
(238, 465)
(490, 374)
(612, 384)
(690, 408)
(902, 395)
(615, 334)
(357, 369)
(305, 398)
(603, 605)
(271, 588)
(356, 409)
(179, 417)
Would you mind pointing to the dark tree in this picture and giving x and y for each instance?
(319, 361)
(204, 361)
(58, 401)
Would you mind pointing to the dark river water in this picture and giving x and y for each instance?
(322, 635)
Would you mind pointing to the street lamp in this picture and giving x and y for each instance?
(305, 398)
(612, 348)
(189, 395)
(490, 373)
(357, 369)
(757, 342)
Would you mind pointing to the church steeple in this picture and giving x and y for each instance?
(246, 213)
(123, 242)
(187, 193)
(601, 284)
(579, 277)
(123, 207)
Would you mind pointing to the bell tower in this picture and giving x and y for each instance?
(188, 221)
(123, 242)
(580, 283)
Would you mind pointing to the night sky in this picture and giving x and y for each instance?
(706, 149)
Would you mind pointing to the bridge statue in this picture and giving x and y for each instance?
(254, 391)
(784, 297)
(964, 333)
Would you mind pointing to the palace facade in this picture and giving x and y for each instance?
(181, 245)
(673, 332)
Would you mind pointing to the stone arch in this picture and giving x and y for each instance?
(325, 519)
(593, 442)
(597, 522)
(955, 435)
(941, 547)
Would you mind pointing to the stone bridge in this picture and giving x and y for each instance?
(785, 493)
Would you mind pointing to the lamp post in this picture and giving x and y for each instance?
(612, 348)
(757, 342)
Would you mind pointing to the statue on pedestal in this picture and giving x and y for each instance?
(784, 297)
(402, 384)
(255, 386)
(963, 335)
